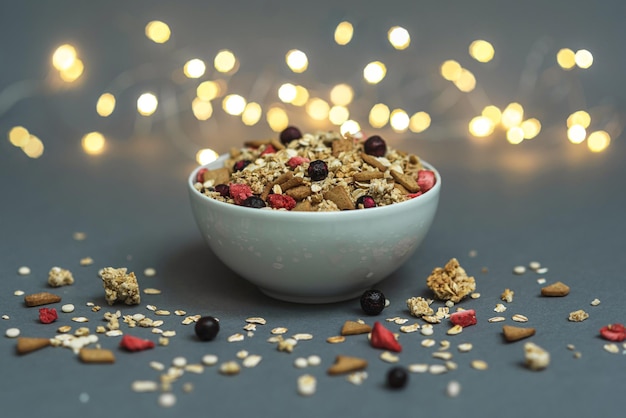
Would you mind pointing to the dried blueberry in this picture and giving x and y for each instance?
(253, 202)
(223, 190)
(397, 377)
(373, 301)
(365, 202)
(289, 134)
(207, 328)
(375, 145)
(241, 164)
(318, 170)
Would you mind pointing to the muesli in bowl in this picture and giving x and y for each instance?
(316, 217)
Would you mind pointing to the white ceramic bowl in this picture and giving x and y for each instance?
(313, 257)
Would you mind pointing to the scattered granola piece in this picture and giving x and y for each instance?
(60, 277)
(557, 289)
(578, 316)
(512, 333)
(519, 318)
(499, 308)
(27, 345)
(507, 295)
(355, 328)
(347, 364)
(23, 271)
(536, 358)
(595, 302)
(418, 306)
(410, 328)
(96, 355)
(42, 298)
(451, 282)
(357, 378)
(306, 385)
(119, 286)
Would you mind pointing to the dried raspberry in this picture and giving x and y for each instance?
(383, 338)
(269, 149)
(413, 195)
(464, 318)
(240, 192)
(47, 315)
(131, 343)
(426, 180)
(200, 175)
(296, 161)
(281, 201)
(613, 332)
(365, 202)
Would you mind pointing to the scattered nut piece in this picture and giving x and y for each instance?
(557, 289)
(536, 358)
(507, 295)
(512, 333)
(60, 277)
(42, 298)
(346, 364)
(355, 328)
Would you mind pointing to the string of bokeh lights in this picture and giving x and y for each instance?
(511, 121)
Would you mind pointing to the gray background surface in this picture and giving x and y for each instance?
(545, 200)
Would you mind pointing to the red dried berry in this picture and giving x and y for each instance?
(281, 201)
(464, 318)
(131, 343)
(426, 180)
(200, 175)
(613, 332)
(383, 338)
(413, 195)
(47, 315)
(296, 161)
(240, 192)
(269, 149)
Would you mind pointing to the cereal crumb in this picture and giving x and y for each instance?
(119, 286)
(12, 332)
(453, 389)
(507, 295)
(536, 358)
(578, 316)
(451, 282)
(595, 302)
(418, 306)
(499, 308)
(519, 270)
(23, 271)
(149, 272)
(86, 261)
(60, 277)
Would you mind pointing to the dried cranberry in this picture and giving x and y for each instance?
(281, 201)
(372, 302)
(131, 343)
(200, 175)
(207, 328)
(318, 170)
(289, 134)
(47, 315)
(365, 202)
(375, 145)
(397, 377)
(223, 190)
(464, 318)
(253, 202)
(613, 332)
(239, 192)
(269, 149)
(241, 164)
(426, 180)
(293, 162)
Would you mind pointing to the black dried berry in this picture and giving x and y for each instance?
(223, 190)
(397, 377)
(289, 134)
(365, 202)
(253, 202)
(318, 170)
(207, 328)
(373, 301)
(241, 164)
(375, 145)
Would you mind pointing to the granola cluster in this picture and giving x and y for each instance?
(451, 282)
(119, 286)
(280, 174)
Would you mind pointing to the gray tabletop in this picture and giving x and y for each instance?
(502, 205)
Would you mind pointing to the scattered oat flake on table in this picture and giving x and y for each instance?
(611, 348)
(79, 236)
(151, 291)
(302, 336)
(389, 357)
(23, 271)
(235, 338)
(519, 318)
(256, 320)
(465, 347)
(595, 302)
(578, 316)
(86, 261)
(479, 364)
(149, 272)
(418, 368)
(519, 270)
(12, 332)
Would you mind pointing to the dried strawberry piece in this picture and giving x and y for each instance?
(293, 162)
(281, 201)
(47, 315)
(426, 180)
(240, 192)
(383, 338)
(200, 175)
(131, 343)
(269, 149)
(412, 195)
(613, 332)
(464, 318)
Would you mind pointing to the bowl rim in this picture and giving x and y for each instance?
(305, 214)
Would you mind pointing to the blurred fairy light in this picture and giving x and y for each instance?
(399, 120)
(251, 114)
(466, 81)
(158, 32)
(287, 92)
(379, 115)
(194, 68)
(19, 136)
(343, 33)
(208, 90)
(34, 147)
(350, 127)
(374, 72)
(147, 104)
(481, 126)
(93, 143)
(64, 57)
(451, 70)
(234, 104)
(341, 95)
(481, 50)
(317, 109)
(202, 109)
(399, 37)
(338, 115)
(105, 105)
(225, 61)
(515, 135)
(419, 122)
(576, 134)
(492, 113)
(566, 58)
(277, 118)
(206, 156)
(598, 141)
(512, 115)
(297, 61)
(531, 128)
(302, 96)
(583, 58)
(74, 72)
(579, 117)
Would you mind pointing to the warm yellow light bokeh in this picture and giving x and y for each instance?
(287, 93)
(194, 68)
(379, 115)
(147, 104)
(399, 120)
(576, 134)
(234, 104)
(19, 136)
(206, 156)
(466, 81)
(343, 33)
(277, 118)
(515, 135)
(105, 105)
(350, 127)
(583, 58)
(317, 108)
(74, 72)
(341, 95)
(374, 72)
(201, 109)
(399, 37)
(251, 114)
(158, 32)
(63, 57)
(34, 147)
(579, 117)
(493, 113)
(208, 90)
(512, 115)
(297, 61)
(481, 126)
(451, 70)
(481, 50)
(566, 58)
(598, 141)
(531, 128)
(419, 122)
(93, 143)
(225, 61)
(338, 115)
(302, 96)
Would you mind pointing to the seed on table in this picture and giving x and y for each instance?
(314, 360)
(209, 359)
(179, 362)
(149, 272)
(453, 389)
(167, 400)
(23, 271)
(519, 269)
(300, 363)
(534, 265)
(67, 308)
(479, 364)
(519, 318)
(12, 332)
(306, 385)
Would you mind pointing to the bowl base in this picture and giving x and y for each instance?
(313, 299)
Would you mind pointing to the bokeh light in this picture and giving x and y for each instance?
(343, 33)
(374, 72)
(147, 104)
(225, 61)
(531, 128)
(419, 122)
(451, 70)
(105, 105)
(208, 90)
(576, 134)
(34, 147)
(19, 136)
(566, 58)
(379, 115)
(341, 94)
(202, 109)
(206, 156)
(351, 127)
(64, 57)
(74, 72)
(93, 143)
(598, 141)
(287, 92)
(158, 32)
(297, 61)
(277, 118)
(302, 96)
(234, 104)
(194, 68)
(512, 115)
(583, 58)
(338, 115)
(466, 81)
(251, 114)
(317, 108)
(515, 135)
(493, 113)
(399, 120)
(579, 117)
(399, 37)
(481, 50)
(481, 126)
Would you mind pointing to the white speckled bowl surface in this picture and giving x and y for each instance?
(313, 257)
